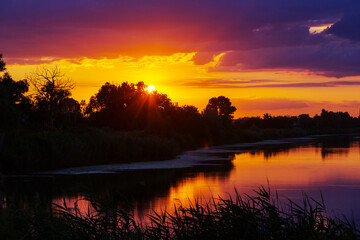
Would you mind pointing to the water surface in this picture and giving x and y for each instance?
(328, 165)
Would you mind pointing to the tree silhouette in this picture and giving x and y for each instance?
(13, 102)
(128, 106)
(51, 88)
(2, 64)
(12, 90)
(222, 106)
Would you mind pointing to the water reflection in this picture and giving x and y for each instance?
(338, 146)
(330, 165)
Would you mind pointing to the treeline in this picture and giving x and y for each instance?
(47, 129)
(123, 107)
(326, 120)
(130, 107)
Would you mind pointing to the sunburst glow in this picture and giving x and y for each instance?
(150, 88)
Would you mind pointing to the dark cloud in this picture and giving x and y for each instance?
(308, 85)
(334, 59)
(348, 26)
(271, 34)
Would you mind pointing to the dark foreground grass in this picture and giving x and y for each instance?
(247, 217)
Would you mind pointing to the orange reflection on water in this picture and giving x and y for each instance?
(185, 192)
(290, 171)
(199, 188)
(300, 168)
(304, 166)
(82, 205)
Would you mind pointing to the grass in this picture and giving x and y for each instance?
(30, 151)
(244, 217)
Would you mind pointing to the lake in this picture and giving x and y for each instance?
(327, 165)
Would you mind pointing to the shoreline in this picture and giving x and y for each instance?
(96, 151)
(187, 159)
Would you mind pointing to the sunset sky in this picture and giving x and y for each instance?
(278, 56)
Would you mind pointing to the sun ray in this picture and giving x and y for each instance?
(150, 89)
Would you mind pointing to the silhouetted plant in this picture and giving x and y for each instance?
(13, 102)
(2, 64)
(51, 88)
(258, 216)
(222, 106)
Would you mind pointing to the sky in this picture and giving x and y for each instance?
(268, 56)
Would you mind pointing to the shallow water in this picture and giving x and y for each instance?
(329, 165)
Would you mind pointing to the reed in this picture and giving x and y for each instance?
(259, 216)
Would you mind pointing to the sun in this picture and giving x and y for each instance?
(150, 88)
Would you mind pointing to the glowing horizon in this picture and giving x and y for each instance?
(266, 56)
(255, 92)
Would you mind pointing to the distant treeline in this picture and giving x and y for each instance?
(47, 129)
(326, 120)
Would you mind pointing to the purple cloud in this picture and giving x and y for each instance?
(263, 83)
(261, 34)
(337, 59)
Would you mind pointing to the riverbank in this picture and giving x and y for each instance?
(32, 151)
(38, 151)
(187, 159)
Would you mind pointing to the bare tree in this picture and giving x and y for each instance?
(51, 86)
